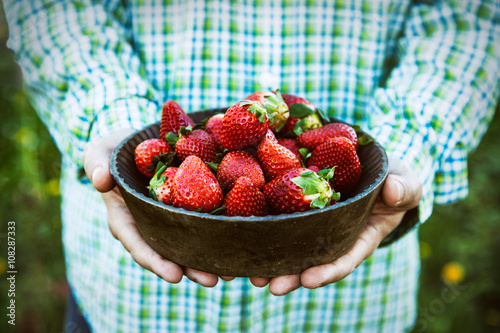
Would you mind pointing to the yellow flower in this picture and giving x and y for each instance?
(453, 272)
(52, 187)
(425, 250)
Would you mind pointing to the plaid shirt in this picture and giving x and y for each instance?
(421, 77)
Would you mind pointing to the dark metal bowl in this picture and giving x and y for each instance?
(266, 246)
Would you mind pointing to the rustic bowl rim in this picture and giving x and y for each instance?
(263, 219)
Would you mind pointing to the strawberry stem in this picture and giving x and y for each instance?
(314, 188)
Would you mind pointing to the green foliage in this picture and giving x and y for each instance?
(29, 183)
(465, 235)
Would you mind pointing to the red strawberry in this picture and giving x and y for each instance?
(197, 142)
(172, 118)
(213, 127)
(313, 168)
(292, 145)
(245, 199)
(275, 106)
(195, 187)
(237, 164)
(308, 116)
(299, 190)
(290, 99)
(245, 124)
(338, 152)
(160, 186)
(270, 135)
(146, 151)
(314, 138)
(275, 159)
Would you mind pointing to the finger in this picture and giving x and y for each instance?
(376, 229)
(227, 278)
(259, 282)
(402, 188)
(203, 278)
(283, 285)
(123, 227)
(96, 160)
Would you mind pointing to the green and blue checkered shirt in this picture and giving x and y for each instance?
(421, 76)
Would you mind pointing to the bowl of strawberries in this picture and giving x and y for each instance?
(267, 187)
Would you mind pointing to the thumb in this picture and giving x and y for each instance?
(402, 188)
(96, 159)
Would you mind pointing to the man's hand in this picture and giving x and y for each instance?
(401, 192)
(122, 225)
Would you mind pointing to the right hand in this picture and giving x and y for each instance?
(121, 223)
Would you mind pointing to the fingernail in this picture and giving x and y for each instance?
(95, 173)
(401, 191)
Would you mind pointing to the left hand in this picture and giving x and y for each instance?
(401, 192)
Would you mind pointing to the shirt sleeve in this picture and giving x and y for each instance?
(82, 74)
(438, 101)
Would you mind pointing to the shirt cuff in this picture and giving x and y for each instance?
(135, 113)
(415, 152)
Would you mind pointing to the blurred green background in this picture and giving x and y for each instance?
(460, 244)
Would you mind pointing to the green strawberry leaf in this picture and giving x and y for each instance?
(199, 126)
(299, 110)
(336, 196)
(356, 128)
(326, 173)
(324, 116)
(218, 211)
(185, 130)
(152, 194)
(306, 173)
(304, 152)
(365, 139)
(166, 159)
(257, 110)
(319, 202)
(219, 157)
(158, 179)
(298, 127)
(171, 138)
(213, 166)
(314, 188)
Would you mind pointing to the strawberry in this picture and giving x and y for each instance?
(313, 168)
(245, 124)
(290, 99)
(275, 106)
(299, 190)
(303, 115)
(172, 118)
(195, 187)
(338, 152)
(245, 199)
(160, 186)
(213, 127)
(148, 153)
(292, 145)
(270, 135)
(314, 138)
(275, 159)
(197, 142)
(236, 164)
